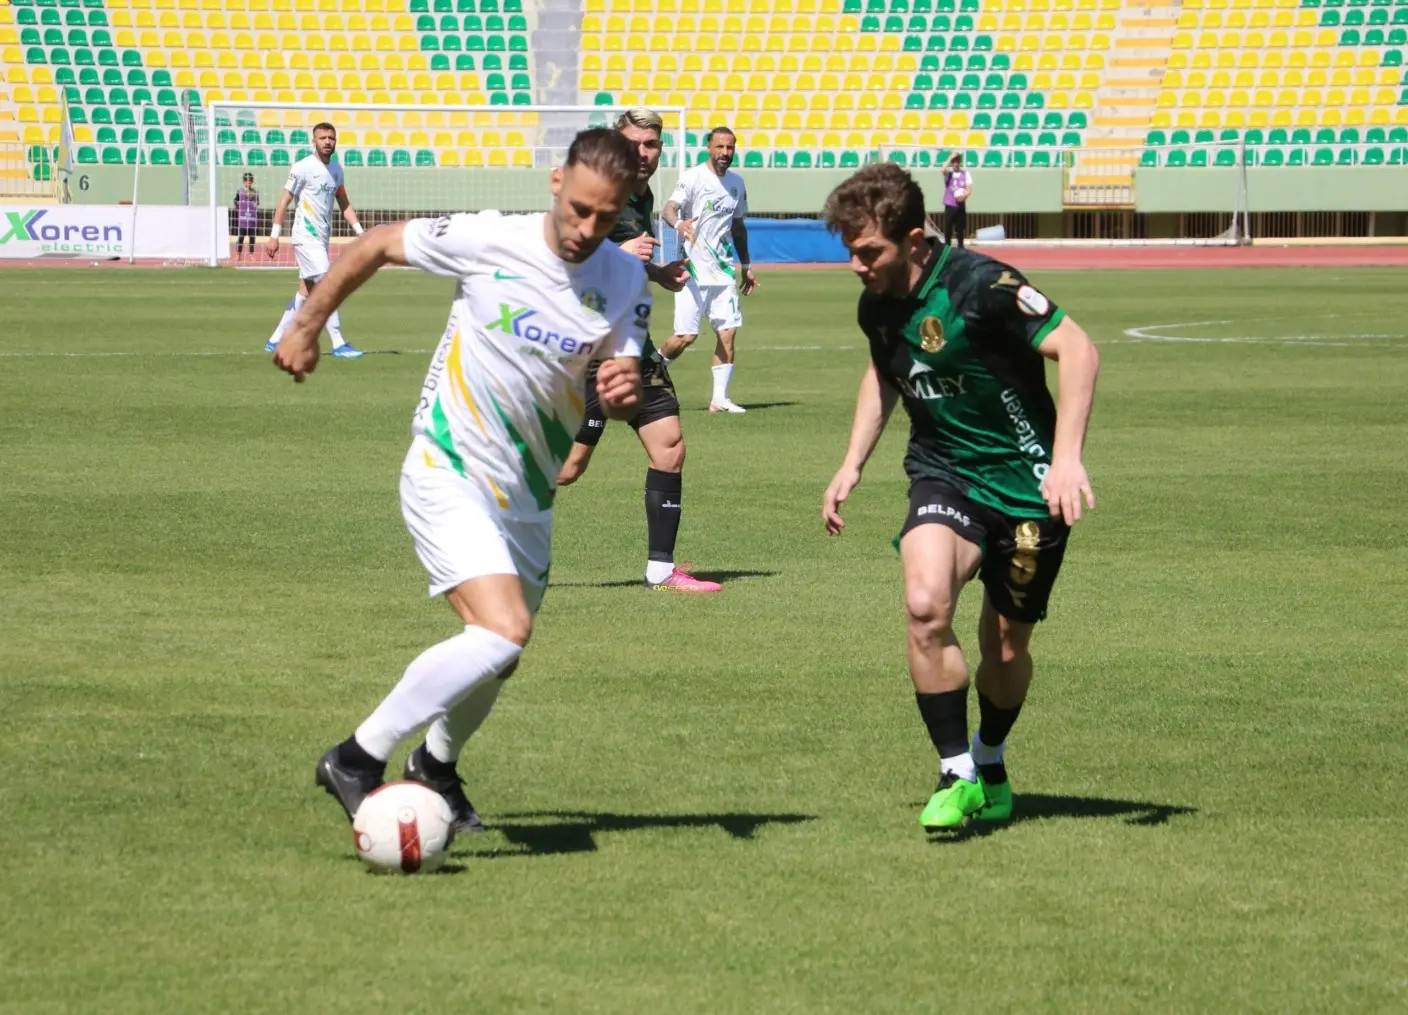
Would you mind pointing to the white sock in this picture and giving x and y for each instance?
(722, 373)
(335, 330)
(985, 755)
(960, 765)
(290, 309)
(657, 571)
(448, 734)
(438, 679)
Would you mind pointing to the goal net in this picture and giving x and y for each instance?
(399, 161)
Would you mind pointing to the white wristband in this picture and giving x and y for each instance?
(357, 228)
(277, 231)
(745, 267)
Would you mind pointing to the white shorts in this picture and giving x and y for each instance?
(460, 533)
(312, 261)
(719, 302)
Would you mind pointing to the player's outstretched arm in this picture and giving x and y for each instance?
(874, 403)
(297, 353)
(1077, 366)
(740, 244)
(272, 247)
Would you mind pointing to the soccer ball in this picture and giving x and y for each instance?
(403, 828)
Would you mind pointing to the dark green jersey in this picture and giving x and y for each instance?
(961, 351)
(639, 217)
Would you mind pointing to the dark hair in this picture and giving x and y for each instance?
(882, 194)
(324, 126)
(247, 176)
(718, 130)
(606, 151)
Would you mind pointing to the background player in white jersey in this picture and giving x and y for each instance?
(315, 183)
(708, 208)
(539, 298)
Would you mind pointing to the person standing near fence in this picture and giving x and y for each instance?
(958, 185)
(246, 215)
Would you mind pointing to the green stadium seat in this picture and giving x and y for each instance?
(26, 16)
(278, 157)
(518, 23)
(1203, 137)
(464, 62)
(1398, 135)
(256, 157)
(376, 157)
(1347, 157)
(1323, 157)
(778, 160)
(494, 24)
(429, 44)
(992, 160)
(98, 19)
(850, 160)
(418, 6)
(107, 58)
(1373, 157)
(982, 121)
(425, 159)
(1070, 139)
(118, 97)
(1177, 159)
(801, 160)
(1398, 156)
(1149, 159)
(1029, 121)
(753, 160)
(87, 155)
(400, 158)
(349, 157)
(112, 156)
(160, 157)
(1023, 139)
(78, 38)
(154, 136)
(100, 114)
(231, 157)
(1225, 157)
(106, 135)
(131, 58)
(100, 39)
(175, 136)
(1041, 159)
(1199, 158)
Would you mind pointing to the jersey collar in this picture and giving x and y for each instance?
(938, 257)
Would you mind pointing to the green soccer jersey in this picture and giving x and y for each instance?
(961, 351)
(638, 217)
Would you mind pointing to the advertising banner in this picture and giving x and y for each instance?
(104, 232)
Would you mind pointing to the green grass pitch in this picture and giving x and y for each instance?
(701, 805)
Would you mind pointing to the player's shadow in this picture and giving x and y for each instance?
(755, 406)
(549, 833)
(1041, 806)
(635, 583)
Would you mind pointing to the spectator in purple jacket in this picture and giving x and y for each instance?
(958, 184)
(246, 214)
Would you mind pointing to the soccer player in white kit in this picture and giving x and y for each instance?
(316, 184)
(539, 298)
(707, 209)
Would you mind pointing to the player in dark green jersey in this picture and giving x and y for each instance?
(657, 424)
(996, 478)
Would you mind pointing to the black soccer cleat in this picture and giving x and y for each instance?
(451, 787)
(348, 786)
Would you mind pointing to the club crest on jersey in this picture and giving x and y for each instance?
(594, 300)
(931, 334)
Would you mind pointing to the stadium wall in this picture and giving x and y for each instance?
(801, 192)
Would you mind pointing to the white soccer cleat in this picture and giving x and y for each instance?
(727, 405)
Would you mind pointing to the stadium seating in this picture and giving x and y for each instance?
(1317, 82)
(847, 80)
(131, 63)
(804, 83)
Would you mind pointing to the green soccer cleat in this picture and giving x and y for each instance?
(955, 801)
(998, 792)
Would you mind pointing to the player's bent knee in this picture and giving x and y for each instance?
(930, 613)
(514, 625)
(667, 456)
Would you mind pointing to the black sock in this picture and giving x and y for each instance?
(663, 495)
(994, 723)
(434, 767)
(946, 716)
(353, 755)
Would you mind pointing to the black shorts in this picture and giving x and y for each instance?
(1021, 556)
(658, 402)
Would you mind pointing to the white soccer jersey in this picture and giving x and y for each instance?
(314, 187)
(714, 203)
(503, 397)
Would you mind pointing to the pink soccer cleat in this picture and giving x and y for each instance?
(680, 580)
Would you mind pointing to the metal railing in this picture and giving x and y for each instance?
(27, 172)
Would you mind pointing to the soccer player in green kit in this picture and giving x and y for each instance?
(996, 478)
(657, 423)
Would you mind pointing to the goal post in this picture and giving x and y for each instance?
(400, 160)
